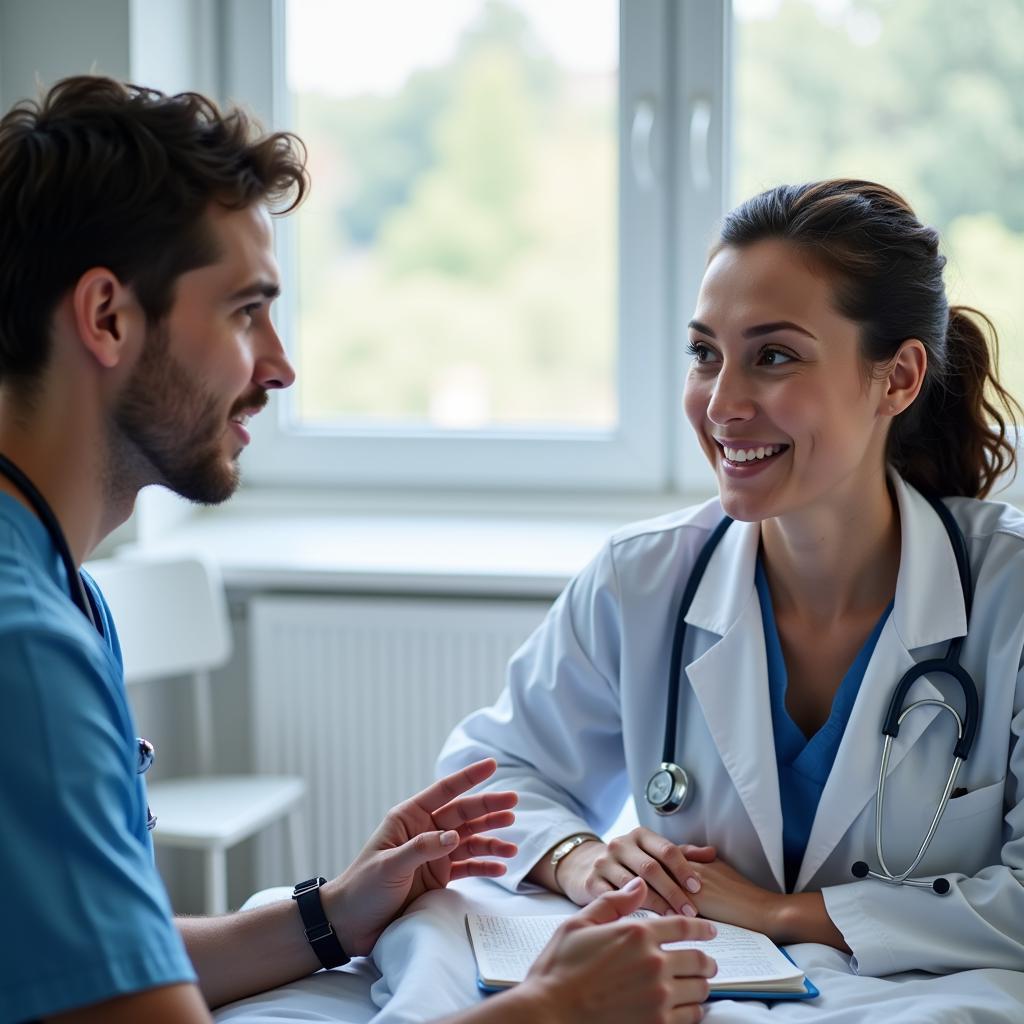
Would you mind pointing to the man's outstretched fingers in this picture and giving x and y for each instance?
(485, 846)
(467, 808)
(451, 786)
(477, 869)
(486, 823)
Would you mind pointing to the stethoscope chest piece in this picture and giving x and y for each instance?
(669, 789)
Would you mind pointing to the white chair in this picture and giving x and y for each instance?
(172, 620)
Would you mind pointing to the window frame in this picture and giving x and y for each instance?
(663, 230)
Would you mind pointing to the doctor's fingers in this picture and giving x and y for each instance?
(612, 875)
(465, 809)
(624, 858)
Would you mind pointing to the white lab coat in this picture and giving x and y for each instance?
(579, 728)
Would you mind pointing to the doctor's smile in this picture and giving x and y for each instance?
(743, 460)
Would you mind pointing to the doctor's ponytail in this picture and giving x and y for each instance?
(954, 439)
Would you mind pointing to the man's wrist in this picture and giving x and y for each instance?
(332, 893)
(531, 1002)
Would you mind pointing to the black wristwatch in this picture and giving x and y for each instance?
(318, 929)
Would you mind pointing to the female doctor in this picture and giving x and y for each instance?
(832, 389)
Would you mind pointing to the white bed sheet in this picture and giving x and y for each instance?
(426, 970)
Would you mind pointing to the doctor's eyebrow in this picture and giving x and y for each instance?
(758, 330)
(257, 289)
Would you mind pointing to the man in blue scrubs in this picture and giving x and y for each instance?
(136, 277)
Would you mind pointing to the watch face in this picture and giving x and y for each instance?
(659, 789)
(563, 848)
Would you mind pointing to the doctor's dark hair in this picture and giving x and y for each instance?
(98, 173)
(886, 269)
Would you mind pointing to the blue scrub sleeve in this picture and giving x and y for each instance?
(85, 914)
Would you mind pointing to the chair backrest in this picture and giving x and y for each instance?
(171, 615)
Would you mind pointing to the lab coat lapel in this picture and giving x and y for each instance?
(928, 610)
(730, 680)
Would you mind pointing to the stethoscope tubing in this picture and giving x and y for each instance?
(949, 664)
(76, 587)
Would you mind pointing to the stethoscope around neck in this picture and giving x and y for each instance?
(79, 593)
(670, 788)
(77, 589)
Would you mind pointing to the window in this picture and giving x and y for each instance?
(456, 258)
(554, 356)
(476, 289)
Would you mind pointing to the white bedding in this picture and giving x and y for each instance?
(427, 970)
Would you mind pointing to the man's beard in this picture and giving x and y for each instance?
(168, 426)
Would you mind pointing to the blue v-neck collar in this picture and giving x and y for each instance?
(811, 756)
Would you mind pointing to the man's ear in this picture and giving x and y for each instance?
(107, 315)
(905, 377)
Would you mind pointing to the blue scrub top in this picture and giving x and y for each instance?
(804, 764)
(84, 916)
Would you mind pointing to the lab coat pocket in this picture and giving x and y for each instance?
(975, 802)
(970, 833)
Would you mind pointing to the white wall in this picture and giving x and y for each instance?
(43, 40)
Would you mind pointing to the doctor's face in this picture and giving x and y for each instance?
(777, 391)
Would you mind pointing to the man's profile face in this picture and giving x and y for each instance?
(207, 366)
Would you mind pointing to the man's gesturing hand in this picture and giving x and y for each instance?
(421, 844)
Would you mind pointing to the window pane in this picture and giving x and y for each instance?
(457, 255)
(927, 101)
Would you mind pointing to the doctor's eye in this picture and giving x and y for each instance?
(701, 352)
(776, 357)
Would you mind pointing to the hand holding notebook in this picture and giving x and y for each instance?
(750, 965)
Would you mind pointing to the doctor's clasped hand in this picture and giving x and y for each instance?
(595, 868)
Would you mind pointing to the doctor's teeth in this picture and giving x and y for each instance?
(750, 454)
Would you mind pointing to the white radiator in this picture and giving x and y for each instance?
(357, 695)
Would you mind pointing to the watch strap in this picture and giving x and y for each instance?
(319, 931)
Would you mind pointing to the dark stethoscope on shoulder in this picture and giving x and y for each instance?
(670, 788)
(79, 592)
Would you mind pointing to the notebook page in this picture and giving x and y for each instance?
(505, 948)
(743, 956)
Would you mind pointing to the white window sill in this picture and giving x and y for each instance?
(450, 545)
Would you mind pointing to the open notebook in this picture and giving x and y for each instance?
(750, 965)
